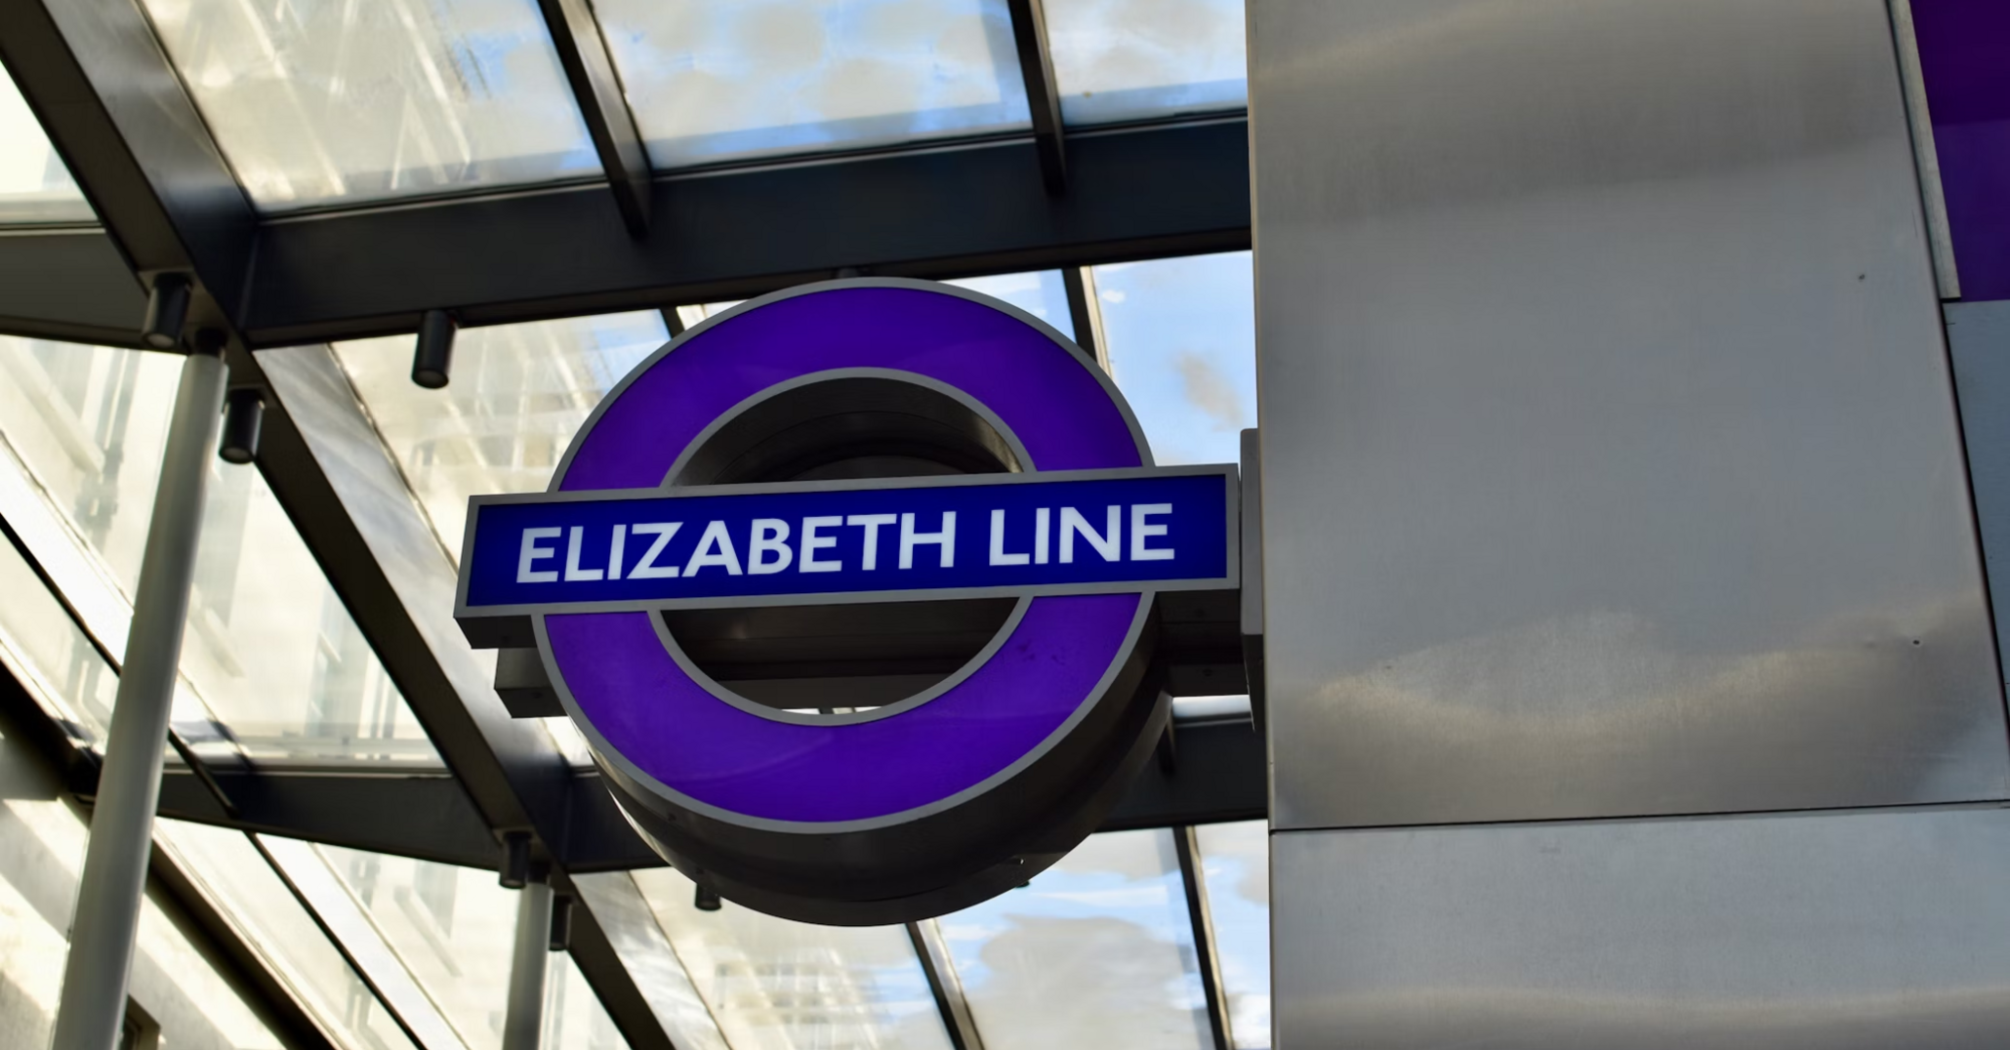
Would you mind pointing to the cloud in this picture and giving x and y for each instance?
(1113, 295)
(1208, 390)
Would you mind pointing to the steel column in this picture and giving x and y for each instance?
(115, 864)
(523, 1025)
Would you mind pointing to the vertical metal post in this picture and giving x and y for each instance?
(524, 1022)
(93, 1003)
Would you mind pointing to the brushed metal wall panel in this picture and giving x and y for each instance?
(1610, 458)
(1835, 931)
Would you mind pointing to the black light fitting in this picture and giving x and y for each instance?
(435, 350)
(243, 413)
(167, 310)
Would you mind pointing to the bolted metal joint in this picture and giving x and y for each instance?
(435, 350)
(243, 413)
(167, 311)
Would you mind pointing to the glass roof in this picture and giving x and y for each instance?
(573, 1016)
(272, 654)
(453, 929)
(719, 80)
(773, 984)
(631, 927)
(1182, 347)
(320, 101)
(349, 920)
(179, 981)
(234, 875)
(35, 187)
(1097, 952)
(516, 396)
(1235, 871)
(1118, 60)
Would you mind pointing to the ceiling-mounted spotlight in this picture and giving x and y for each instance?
(243, 412)
(167, 308)
(435, 350)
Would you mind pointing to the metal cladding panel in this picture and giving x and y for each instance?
(1834, 931)
(1611, 463)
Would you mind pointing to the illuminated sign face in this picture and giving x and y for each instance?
(862, 446)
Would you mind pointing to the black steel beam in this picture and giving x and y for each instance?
(115, 110)
(68, 284)
(1207, 956)
(1221, 775)
(946, 212)
(597, 88)
(598, 961)
(428, 816)
(1043, 99)
(504, 792)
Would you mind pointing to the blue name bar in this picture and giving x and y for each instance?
(1054, 533)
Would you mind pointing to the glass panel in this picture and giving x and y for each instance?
(780, 985)
(50, 656)
(716, 80)
(1210, 708)
(447, 930)
(274, 652)
(318, 101)
(573, 1016)
(235, 877)
(91, 423)
(689, 316)
(1044, 295)
(1097, 952)
(518, 393)
(35, 187)
(618, 907)
(1235, 870)
(1182, 335)
(1118, 60)
(41, 853)
(346, 916)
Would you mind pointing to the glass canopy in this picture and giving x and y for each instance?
(1117, 60)
(720, 80)
(186, 990)
(318, 105)
(318, 101)
(35, 187)
(780, 985)
(1097, 952)
(518, 393)
(276, 667)
(1182, 347)
(1235, 870)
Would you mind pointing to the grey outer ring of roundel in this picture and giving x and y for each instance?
(604, 752)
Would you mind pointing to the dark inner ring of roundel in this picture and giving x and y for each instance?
(839, 659)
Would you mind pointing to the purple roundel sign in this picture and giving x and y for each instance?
(851, 591)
